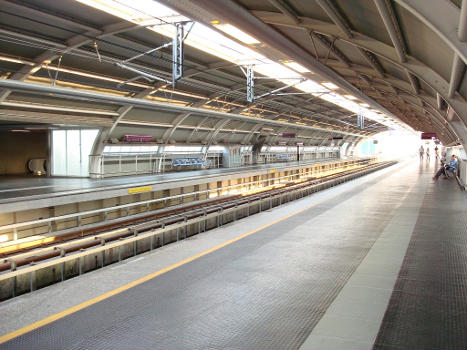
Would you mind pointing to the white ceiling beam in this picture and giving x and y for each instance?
(72, 43)
(282, 6)
(146, 104)
(342, 24)
(457, 72)
(335, 16)
(333, 49)
(433, 79)
(391, 28)
(462, 29)
(442, 18)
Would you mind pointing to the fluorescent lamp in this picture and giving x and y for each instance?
(350, 97)
(296, 66)
(15, 60)
(83, 74)
(236, 33)
(330, 85)
(21, 104)
(94, 76)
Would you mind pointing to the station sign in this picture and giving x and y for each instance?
(139, 189)
(288, 135)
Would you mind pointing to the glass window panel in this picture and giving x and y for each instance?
(73, 152)
(216, 148)
(182, 149)
(59, 152)
(87, 141)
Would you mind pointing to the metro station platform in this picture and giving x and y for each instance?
(378, 262)
(16, 187)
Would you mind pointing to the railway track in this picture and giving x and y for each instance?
(18, 267)
(81, 240)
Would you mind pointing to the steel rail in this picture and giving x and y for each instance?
(134, 235)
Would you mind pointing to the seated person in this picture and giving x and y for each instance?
(451, 167)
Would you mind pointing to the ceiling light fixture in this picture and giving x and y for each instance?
(15, 60)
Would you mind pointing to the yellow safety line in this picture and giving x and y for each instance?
(125, 287)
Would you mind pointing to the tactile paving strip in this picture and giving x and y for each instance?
(266, 291)
(428, 308)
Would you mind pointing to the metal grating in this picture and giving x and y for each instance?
(428, 308)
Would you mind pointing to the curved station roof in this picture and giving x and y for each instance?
(305, 71)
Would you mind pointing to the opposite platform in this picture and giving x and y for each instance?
(23, 192)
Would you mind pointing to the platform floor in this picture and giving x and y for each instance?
(378, 262)
(14, 188)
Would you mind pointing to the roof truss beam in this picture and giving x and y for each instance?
(344, 26)
(390, 22)
(414, 66)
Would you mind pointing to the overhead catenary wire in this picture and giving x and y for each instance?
(161, 56)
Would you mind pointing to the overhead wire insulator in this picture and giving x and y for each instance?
(177, 54)
(97, 51)
(250, 84)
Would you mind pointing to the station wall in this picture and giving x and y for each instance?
(16, 148)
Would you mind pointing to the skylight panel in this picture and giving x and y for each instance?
(236, 33)
(277, 71)
(312, 87)
(297, 67)
(160, 19)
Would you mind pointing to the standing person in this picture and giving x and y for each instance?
(421, 151)
(452, 166)
(428, 153)
(436, 152)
